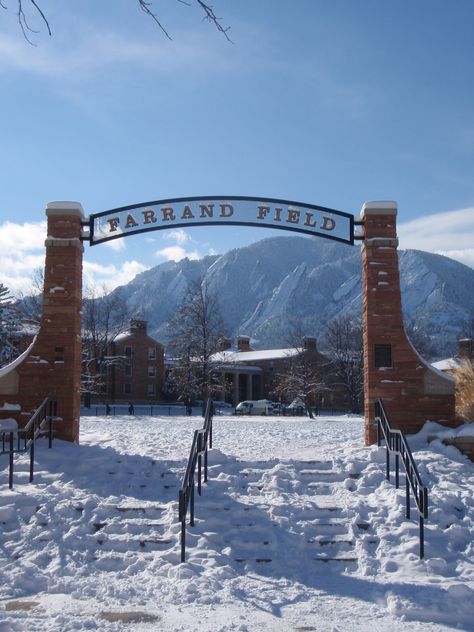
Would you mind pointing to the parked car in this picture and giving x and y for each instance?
(253, 407)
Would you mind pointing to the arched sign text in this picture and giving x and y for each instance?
(221, 210)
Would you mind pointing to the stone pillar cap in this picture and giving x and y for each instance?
(64, 208)
(380, 207)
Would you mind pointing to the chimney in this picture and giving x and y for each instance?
(243, 343)
(224, 344)
(465, 348)
(138, 326)
(309, 343)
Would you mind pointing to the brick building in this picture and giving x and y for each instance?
(138, 373)
(465, 352)
(255, 374)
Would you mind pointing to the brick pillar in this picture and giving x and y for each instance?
(53, 366)
(412, 391)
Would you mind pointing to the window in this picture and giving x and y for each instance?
(151, 353)
(128, 369)
(128, 353)
(151, 371)
(127, 388)
(383, 356)
(151, 389)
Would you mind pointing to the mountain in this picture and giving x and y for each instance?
(269, 284)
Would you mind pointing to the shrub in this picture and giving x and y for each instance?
(464, 376)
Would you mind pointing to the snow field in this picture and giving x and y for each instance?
(297, 529)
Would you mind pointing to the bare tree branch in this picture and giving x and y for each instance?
(211, 17)
(145, 5)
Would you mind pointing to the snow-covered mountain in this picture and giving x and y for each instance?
(264, 286)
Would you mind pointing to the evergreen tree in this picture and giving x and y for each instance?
(9, 326)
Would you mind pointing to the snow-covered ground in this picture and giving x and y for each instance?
(297, 529)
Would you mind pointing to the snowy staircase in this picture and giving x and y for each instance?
(139, 523)
(284, 514)
(134, 527)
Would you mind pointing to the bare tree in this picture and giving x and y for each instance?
(30, 304)
(197, 328)
(105, 316)
(9, 327)
(304, 372)
(25, 8)
(343, 340)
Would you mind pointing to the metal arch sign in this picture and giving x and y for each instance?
(221, 210)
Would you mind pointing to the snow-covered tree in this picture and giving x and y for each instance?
(197, 328)
(303, 376)
(9, 326)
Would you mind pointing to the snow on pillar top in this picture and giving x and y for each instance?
(64, 208)
(380, 223)
(380, 207)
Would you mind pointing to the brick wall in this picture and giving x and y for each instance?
(412, 391)
(53, 365)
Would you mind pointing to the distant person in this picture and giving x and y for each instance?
(131, 409)
(107, 409)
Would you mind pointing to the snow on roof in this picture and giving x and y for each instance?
(232, 356)
(122, 336)
(448, 364)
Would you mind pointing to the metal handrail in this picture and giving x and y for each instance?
(201, 440)
(23, 440)
(395, 441)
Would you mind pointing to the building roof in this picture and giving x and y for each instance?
(233, 356)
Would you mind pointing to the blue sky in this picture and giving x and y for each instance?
(326, 102)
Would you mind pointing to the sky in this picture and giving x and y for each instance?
(332, 103)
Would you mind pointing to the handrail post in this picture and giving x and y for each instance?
(10, 471)
(32, 458)
(397, 463)
(422, 537)
(407, 494)
(182, 518)
(199, 473)
(191, 513)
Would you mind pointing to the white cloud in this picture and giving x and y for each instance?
(176, 253)
(178, 235)
(21, 253)
(110, 276)
(450, 233)
(92, 50)
(115, 244)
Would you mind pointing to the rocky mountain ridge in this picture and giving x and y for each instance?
(266, 286)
